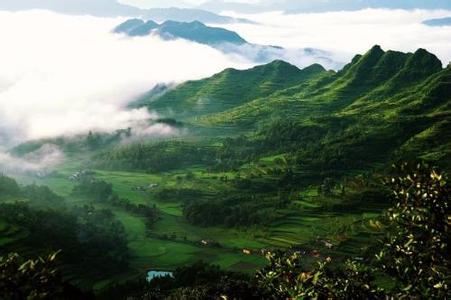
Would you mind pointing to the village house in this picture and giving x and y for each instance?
(247, 251)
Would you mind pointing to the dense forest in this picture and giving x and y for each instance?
(90, 237)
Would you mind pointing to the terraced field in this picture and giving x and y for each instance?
(173, 241)
(10, 234)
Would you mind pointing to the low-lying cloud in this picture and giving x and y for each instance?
(346, 33)
(39, 162)
(63, 75)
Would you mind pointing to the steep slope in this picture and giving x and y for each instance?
(231, 88)
(410, 77)
(379, 74)
(382, 107)
(374, 82)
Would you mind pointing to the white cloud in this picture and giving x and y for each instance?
(349, 32)
(41, 160)
(67, 74)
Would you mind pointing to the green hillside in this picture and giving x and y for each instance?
(375, 109)
(231, 88)
(368, 80)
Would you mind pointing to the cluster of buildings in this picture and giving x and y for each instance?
(143, 188)
(80, 174)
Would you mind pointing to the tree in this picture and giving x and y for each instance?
(287, 278)
(33, 279)
(414, 254)
(415, 251)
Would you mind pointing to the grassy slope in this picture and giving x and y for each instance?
(231, 88)
(391, 97)
(364, 86)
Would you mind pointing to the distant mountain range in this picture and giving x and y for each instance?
(438, 22)
(222, 39)
(193, 31)
(301, 6)
(112, 8)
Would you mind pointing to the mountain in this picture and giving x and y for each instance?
(382, 104)
(194, 31)
(438, 22)
(112, 8)
(224, 40)
(231, 88)
(376, 75)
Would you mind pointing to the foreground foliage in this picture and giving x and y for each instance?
(416, 251)
(34, 279)
(414, 255)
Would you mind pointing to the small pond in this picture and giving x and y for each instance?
(152, 274)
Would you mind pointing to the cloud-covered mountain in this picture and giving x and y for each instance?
(111, 8)
(193, 31)
(224, 40)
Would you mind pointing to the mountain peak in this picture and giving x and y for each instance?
(423, 54)
(363, 65)
(375, 51)
(317, 68)
(280, 66)
(129, 25)
(279, 63)
(231, 88)
(420, 64)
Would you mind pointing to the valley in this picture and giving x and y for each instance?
(172, 241)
